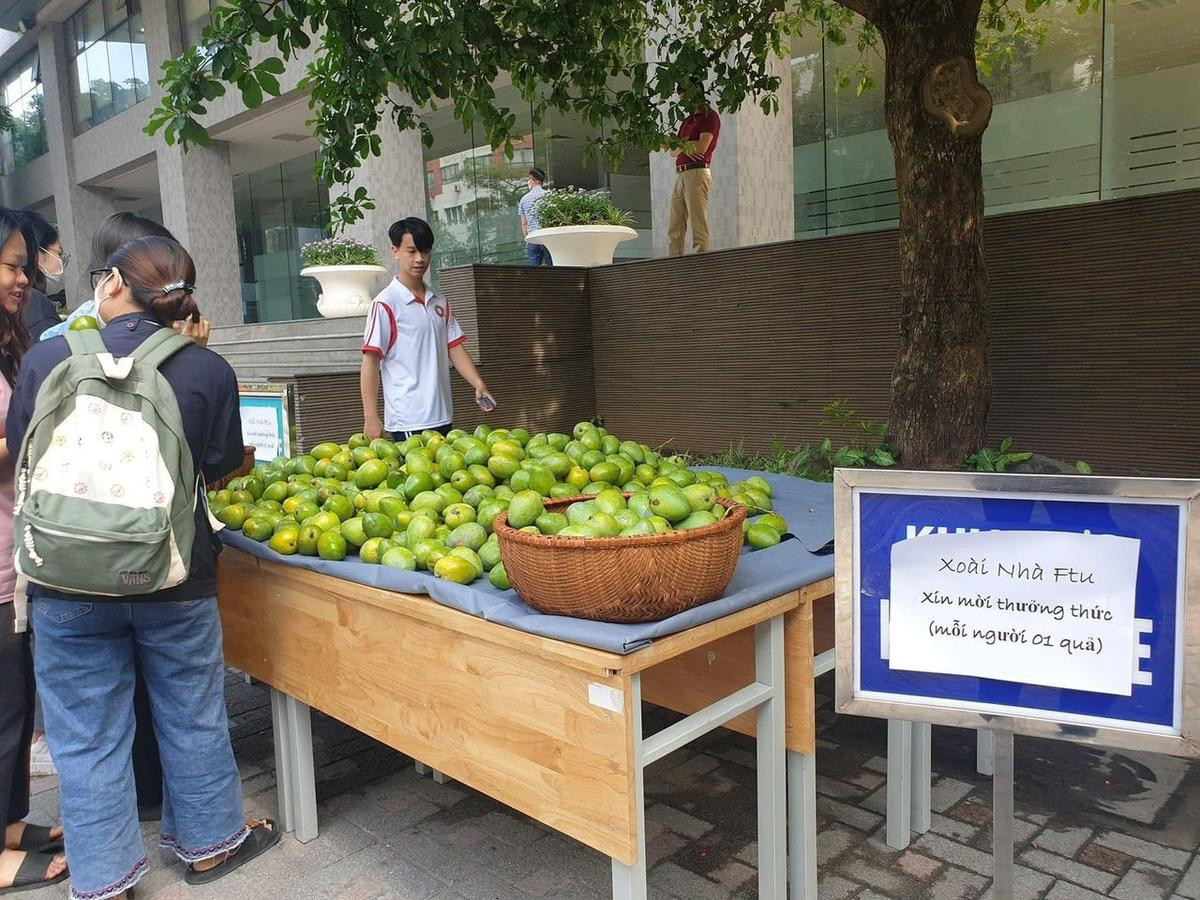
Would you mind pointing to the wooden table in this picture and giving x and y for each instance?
(550, 728)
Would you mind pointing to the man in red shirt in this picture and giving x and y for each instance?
(689, 200)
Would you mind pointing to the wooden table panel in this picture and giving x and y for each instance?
(517, 726)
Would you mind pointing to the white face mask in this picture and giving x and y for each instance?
(98, 298)
(54, 282)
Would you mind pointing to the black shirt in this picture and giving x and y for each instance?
(39, 314)
(206, 390)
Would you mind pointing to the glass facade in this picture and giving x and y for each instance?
(109, 69)
(279, 209)
(472, 191)
(22, 96)
(1106, 104)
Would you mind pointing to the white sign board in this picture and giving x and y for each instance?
(265, 424)
(1048, 608)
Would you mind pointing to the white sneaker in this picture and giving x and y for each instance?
(40, 762)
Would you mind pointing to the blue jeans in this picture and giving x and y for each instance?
(538, 255)
(84, 659)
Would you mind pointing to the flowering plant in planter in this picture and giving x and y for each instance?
(339, 252)
(347, 270)
(575, 206)
(581, 228)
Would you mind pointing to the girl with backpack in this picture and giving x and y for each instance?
(87, 641)
(28, 857)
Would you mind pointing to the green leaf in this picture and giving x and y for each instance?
(1005, 444)
(1082, 467)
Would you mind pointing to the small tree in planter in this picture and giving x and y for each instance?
(581, 228)
(346, 269)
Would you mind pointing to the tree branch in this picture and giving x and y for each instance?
(863, 7)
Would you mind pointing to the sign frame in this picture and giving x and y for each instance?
(275, 392)
(1183, 493)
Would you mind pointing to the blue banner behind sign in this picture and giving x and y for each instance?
(883, 519)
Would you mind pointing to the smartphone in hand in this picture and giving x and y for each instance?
(486, 403)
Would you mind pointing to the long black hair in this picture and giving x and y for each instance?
(42, 234)
(118, 230)
(14, 335)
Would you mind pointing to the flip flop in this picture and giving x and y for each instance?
(37, 839)
(264, 834)
(31, 874)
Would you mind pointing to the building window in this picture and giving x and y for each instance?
(22, 87)
(278, 210)
(109, 68)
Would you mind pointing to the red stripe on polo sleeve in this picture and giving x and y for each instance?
(458, 340)
(369, 349)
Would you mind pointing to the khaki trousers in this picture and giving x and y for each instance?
(689, 203)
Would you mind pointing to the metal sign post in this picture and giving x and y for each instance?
(1053, 606)
(1002, 818)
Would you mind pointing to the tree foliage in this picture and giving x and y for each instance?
(616, 62)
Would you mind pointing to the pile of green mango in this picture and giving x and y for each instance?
(428, 503)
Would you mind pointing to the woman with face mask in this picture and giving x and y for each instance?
(28, 857)
(49, 260)
(117, 231)
(87, 644)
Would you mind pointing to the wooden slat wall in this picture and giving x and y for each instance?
(533, 331)
(1095, 329)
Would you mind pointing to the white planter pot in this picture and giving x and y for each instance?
(345, 290)
(581, 245)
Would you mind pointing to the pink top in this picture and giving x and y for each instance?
(8, 575)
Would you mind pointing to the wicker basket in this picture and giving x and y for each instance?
(621, 579)
(245, 468)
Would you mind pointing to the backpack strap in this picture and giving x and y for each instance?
(160, 346)
(85, 343)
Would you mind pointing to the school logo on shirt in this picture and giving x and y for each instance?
(440, 310)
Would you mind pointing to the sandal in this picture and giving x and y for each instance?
(263, 836)
(31, 874)
(37, 839)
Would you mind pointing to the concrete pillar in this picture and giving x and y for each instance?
(196, 187)
(79, 210)
(752, 200)
(197, 192)
(395, 181)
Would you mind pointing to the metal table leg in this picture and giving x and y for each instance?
(295, 782)
(985, 752)
(629, 882)
(284, 780)
(802, 826)
(771, 743)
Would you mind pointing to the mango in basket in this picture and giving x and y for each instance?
(524, 508)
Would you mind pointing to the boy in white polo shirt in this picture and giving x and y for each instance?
(411, 339)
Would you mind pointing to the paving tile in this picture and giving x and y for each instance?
(946, 792)
(1140, 849)
(1190, 886)
(953, 852)
(665, 817)
(1145, 881)
(1116, 862)
(1064, 891)
(834, 887)
(963, 832)
(854, 816)
(1069, 869)
(1065, 842)
(917, 865)
(876, 876)
(679, 882)
(956, 884)
(835, 840)
(1028, 884)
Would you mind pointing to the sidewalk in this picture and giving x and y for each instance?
(1090, 824)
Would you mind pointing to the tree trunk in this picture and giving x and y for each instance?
(940, 385)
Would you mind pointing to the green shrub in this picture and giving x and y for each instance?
(572, 206)
(339, 252)
(860, 444)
